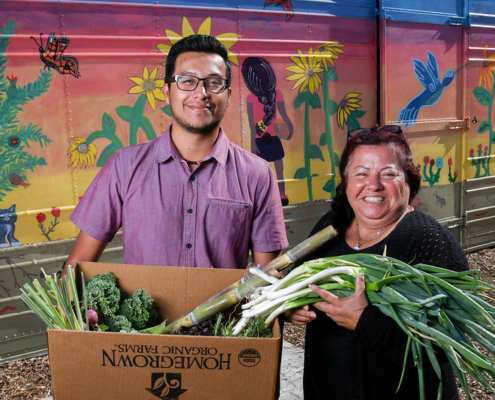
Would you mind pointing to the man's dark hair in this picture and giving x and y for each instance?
(197, 44)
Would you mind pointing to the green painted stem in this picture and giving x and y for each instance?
(328, 124)
(492, 132)
(137, 113)
(307, 146)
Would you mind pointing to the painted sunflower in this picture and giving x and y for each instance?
(328, 52)
(487, 70)
(350, 103)
(148, 84)
(305, 72)
(228, 39)
(81, 153)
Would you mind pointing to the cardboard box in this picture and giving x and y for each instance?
(105, 365)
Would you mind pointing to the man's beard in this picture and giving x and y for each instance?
(201, 130)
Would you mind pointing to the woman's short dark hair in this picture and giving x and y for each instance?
(197, 44)
(342, 211)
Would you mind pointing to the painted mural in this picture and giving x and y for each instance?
(71, 98)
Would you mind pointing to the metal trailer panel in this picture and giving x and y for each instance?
(114, 40)
(110, 40)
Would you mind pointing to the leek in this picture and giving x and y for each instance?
(431, 305)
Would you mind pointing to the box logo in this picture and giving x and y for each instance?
(166, 386)
(249, 357)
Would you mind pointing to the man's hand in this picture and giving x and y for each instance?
(344, 311)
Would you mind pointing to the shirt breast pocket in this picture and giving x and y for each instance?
(229, 221)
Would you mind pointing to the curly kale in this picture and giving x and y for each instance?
(116, 309)
(104, 296)
(119, 323)
(139, 310)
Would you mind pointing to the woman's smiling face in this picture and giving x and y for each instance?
(376, 186)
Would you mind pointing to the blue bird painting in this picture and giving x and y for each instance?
(430, 79)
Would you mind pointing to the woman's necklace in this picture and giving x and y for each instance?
(359, 242)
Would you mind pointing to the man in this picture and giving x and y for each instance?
(189, 198)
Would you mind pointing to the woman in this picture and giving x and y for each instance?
(353, 351)
(263, 104)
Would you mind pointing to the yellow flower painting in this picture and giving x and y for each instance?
(149, 85)
(305, 72)
(486, 74)
(350, 103)
(81, 153)
(328, 52)
(228, 39)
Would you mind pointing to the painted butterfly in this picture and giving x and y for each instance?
(53, 58)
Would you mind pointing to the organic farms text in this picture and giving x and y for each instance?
(142, 356)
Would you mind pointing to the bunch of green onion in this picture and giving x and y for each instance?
(55, 305)
(432, 305)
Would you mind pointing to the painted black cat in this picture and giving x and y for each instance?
(8, 218)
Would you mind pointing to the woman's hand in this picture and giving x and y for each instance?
(344, 311)
(300, 316)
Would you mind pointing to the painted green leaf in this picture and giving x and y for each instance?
(124, 112)
(484, 126)
(359, 113)
(147, 127)
(300, 173)
(331, 74)
(329, 187)
(167, 110)
(323, 139)
(106, 154)
(314, 101)
(482, 95)
(332, 107)
(108, 123)
(300, 99)
(335, 158)
(352, 123)
(315, 153)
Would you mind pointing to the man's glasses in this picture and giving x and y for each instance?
(190, 83)
(366, 131)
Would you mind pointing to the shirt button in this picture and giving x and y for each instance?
(190, 211)
(189, 245)
(192, 178)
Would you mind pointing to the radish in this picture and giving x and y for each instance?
(92, 317)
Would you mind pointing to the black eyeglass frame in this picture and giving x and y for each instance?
(226, 83)
(366, 131)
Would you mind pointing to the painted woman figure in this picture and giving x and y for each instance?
(262, 105)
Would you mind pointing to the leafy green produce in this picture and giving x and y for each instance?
(119, 323)
(140, 310)
(102, 306)
(103, 295)
(432, 305)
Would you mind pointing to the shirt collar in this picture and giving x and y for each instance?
(167, 150)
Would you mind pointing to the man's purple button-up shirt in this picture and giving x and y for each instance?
(171, 216)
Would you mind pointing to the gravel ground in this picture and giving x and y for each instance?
(30, 379)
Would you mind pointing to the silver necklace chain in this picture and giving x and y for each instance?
(359, 242)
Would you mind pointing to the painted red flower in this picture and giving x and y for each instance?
(56, 212)
(426, 160)
(471, 152)
(41, 217)
(432, 162)
(485, 149)
(450, 162)
(480, 146)
(455, 174)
